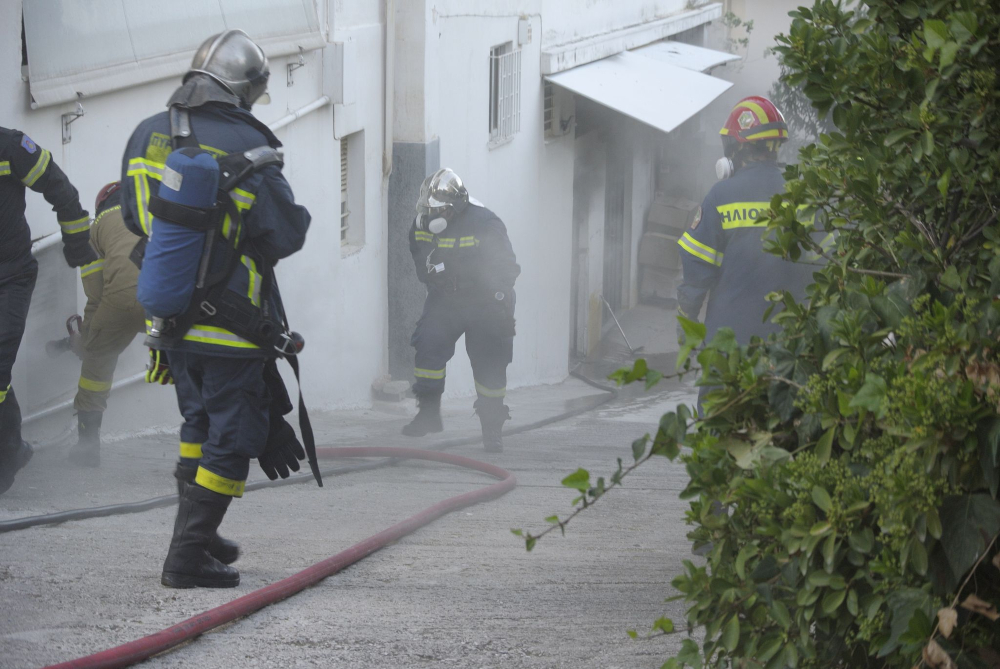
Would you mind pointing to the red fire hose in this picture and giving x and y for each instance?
(141, 649)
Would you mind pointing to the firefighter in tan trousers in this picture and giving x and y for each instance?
(112, 319)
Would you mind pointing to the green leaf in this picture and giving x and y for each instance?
(903, 603)
(825, 445)
(852, 602)
(831, 358)
(578, 480)
(653, 377)
(871, 394)
(943, 182)
(988, 436)
(897, 135)
(951, 279)
(935, 33)
(781, 615)
(694, 335)
(833, 600)
(820, 529)
(632, 633)
(731, 634)
(861, 26)
(862, 540)
(664, 625)
(552, 519)
(969, 523)
(949, 52)
(822, 498)
(909, 9)
(638, 448)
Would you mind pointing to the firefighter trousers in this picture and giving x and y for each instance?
(225, 405)
(109, 333)
(489, 341)
(15, 298)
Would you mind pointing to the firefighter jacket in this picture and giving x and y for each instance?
(272, 225)
(25, 164)
(723, 256)
(112, 278)
(471, 259)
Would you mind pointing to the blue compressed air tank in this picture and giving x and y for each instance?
(173, 254)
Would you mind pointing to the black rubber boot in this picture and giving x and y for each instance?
(14, 451)
(87, 451)
(493, 413)
(188, 563)
(12, 462)
(428, 418)
(223, 550)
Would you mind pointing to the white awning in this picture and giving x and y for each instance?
(80, 49)
(688, 56)
(657, 93)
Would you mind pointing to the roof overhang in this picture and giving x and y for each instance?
(562, 57)
(688, 56)
(657, 93)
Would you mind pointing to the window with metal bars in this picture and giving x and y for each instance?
(505, 93)
(345, 212)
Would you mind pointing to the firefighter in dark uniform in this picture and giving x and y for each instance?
(462, 253)
(219, 375)
(25, 164)
(111, 319)
(723, 255)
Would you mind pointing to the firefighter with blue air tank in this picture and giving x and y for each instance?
(24, 164)
(461, 252)
(202, 181)
(723, 254)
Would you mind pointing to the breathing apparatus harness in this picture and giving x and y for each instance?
(212, 303)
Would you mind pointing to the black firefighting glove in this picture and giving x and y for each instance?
(157, 369)
(283, 450)
(77, 249)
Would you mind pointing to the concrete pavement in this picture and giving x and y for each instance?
(461, 592)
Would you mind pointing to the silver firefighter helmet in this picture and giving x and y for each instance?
(440, 192)
(235, 61)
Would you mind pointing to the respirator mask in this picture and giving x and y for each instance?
(433, 223)
(724, 168)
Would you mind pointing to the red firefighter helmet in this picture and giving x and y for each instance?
(105, 193)
(754, 119)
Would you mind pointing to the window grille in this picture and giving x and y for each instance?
(505, 93)
(345, 213)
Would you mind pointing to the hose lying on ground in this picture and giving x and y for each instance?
(141, 649)
(169, 500)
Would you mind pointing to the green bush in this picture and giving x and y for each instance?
(857, 453)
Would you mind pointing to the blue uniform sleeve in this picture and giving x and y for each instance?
(275, 223)
(701, 251)
(421, 246)
(128, 189)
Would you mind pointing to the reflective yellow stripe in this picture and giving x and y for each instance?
(699, 250)
(742, 214)
(428, 373)
(467, 241)
(92, 268)
(3, 394)
(141, 197)
(191, 450)
(253, 282)
(144, 167)
(490, 392)
(767, 134)
(4, 168)
(422, 236)
(38, 170)
(107, 211)
(243, 199)
(219, 484)
(73, 227)
(94, 386)
(208, 334)
(446, 242)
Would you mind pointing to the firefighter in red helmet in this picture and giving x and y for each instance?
(722, 253)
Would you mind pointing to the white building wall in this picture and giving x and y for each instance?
(525, 181)
(336, 302)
